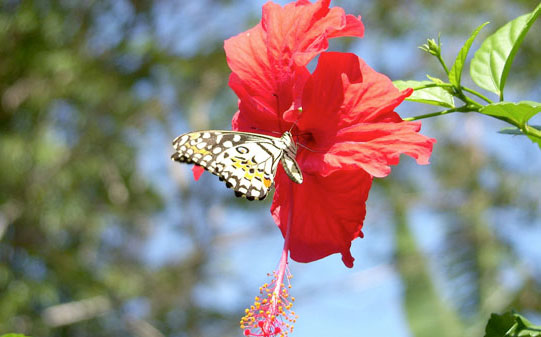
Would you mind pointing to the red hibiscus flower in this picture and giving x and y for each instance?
(343, 114)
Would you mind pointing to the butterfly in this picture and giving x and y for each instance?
(247, 162)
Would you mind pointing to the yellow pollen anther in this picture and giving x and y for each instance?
(270, 315)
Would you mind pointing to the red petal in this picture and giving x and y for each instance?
(253, 79)
(268, 60)
(354, 27)
(197, 172)
(299, 31)
(371, 147)
(324, 94)
(348, 111)
(328, 213)
(371, 100)
(253, 114)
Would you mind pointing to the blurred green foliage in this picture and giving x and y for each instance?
(81, 83)
(74, 210)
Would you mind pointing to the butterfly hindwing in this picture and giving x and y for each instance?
(247, 162)
(249, 168)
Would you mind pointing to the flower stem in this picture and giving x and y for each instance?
(438, 113)
(531, 131)
(432, 85)
(443, 63)
(458, 93)
(473, 92)
(285, 251)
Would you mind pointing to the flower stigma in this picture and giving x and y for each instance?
(271, 313)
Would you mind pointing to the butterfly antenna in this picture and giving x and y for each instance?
(309, 149)
(299, 110)
(263, 130)
(292, 126)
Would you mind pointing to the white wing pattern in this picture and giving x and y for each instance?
(247, 162)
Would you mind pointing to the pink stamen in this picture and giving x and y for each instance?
(271, 313)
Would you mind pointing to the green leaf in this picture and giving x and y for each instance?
(434, 79)
(517, 131)
(456, 71)
(533, 137)
(491, 63)
(432, 95)
(536, 140)
(499, 325)
(527, 328)
(13, 335)
(519, 113)
(510, 324)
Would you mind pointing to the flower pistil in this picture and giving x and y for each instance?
(271, 313)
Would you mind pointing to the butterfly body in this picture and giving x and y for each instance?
(247, 162)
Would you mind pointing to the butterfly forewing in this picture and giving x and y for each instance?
(247, 162)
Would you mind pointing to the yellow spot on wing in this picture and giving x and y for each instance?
(202, 151)
(245, 167)
(267, 182)
(198, 150)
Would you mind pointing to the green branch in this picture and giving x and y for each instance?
(465, 108)
(530, 131)
(473, 92)
(443, 63)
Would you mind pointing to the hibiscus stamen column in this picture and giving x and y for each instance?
(271, 313)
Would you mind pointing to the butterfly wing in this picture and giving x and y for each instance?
(247, 162)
